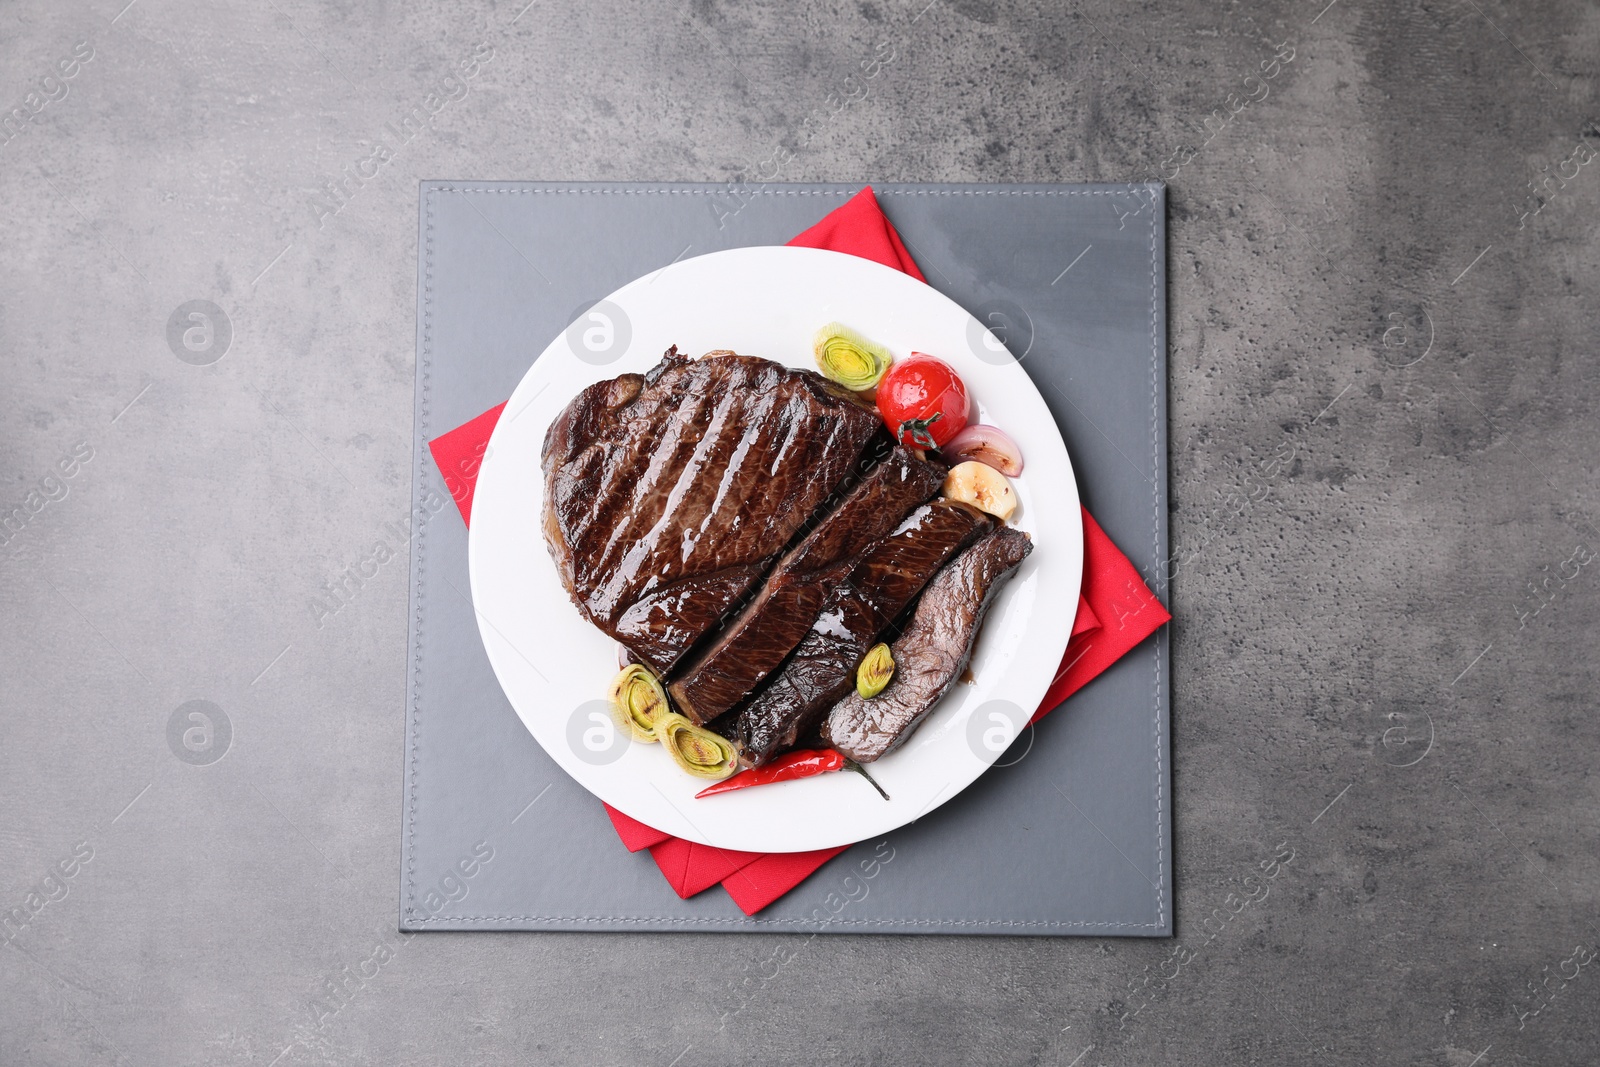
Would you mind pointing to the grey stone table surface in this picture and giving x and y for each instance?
(1383, 259)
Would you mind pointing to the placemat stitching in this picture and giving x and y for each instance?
(749, 920)
(1123, 191)
(1155, 559)
(420, 540)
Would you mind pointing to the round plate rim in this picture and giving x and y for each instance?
(484, 538)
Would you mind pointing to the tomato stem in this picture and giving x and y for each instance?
(920, 434)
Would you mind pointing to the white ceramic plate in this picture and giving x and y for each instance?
(555, 666)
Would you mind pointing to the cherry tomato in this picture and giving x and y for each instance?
(922, 401)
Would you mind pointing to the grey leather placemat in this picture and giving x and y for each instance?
(1073, 836)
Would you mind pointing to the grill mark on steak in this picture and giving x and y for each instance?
(668, 492)
(933, 651)
(668, 495)
(721, 674)
(879, 585)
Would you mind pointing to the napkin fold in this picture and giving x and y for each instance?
(1115, 609)
(860, 228)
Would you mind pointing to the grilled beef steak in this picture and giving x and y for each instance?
(933, 650)
(724, 672)
(881, 583)
(669, 494)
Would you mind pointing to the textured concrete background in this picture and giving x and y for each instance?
(1383, 261)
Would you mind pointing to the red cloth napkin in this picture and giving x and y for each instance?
(862, 229)
(1116, 610)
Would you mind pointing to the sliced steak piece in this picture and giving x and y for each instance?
(933, 650)
(669, 494)
(754, 644)
(881, 583)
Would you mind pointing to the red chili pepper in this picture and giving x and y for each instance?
(804, 763)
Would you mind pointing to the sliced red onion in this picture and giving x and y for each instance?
(989, 445)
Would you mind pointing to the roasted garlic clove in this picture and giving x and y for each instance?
(981, 486)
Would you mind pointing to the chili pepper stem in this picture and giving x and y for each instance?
(854, 766)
